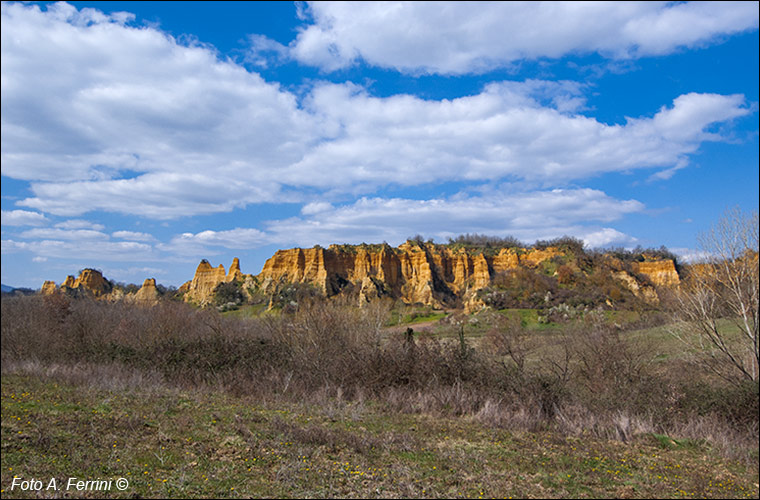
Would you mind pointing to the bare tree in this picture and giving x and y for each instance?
(718, 300)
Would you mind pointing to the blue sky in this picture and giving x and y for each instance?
(141, 137)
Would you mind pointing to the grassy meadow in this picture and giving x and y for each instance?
(332, 401)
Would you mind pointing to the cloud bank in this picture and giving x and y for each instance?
(92, 127)
(101, 115)
(458, 37)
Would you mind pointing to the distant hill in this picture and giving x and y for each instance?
(9, 290)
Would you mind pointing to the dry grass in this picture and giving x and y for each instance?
(176, 443)
(586, 379)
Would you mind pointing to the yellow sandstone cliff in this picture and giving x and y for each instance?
(48, 288)
(660, 272)
(200, 290)
(417, 273)
(148, 293)
(90, 282)
(423, 273)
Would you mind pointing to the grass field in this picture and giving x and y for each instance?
(194, 443)
(331, 401)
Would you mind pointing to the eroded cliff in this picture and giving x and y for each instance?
(441, 276)
(148, 293)
(90, 282)
(660, 272)
(436, 275)
(200, 290)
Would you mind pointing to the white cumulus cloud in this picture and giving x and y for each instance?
(528, 216)
(135, 122)
(133, 236)
(23, 218)
(210, 241)
(464, 37)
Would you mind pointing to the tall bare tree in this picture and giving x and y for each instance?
(718, 301)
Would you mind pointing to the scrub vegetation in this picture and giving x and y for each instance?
(329, 401)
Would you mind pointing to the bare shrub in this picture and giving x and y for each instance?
(611, 371)
(720, 296)
(325, 341)
(594, 378)
(25, 327)
(737, 444)
(509, 339)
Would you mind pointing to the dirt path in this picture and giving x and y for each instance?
(422, 326)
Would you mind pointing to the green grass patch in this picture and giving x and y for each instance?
(411, 315)
(247, 311)
(670, 443)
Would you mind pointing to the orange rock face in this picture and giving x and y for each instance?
(94, 282)
(148, 293)
(90, 282)
(202, 285)
(234, 272)
(417, 273)
(505, 260)
(48, 288)
(200, 289)
(428, 274)
(534, 257)
(660, 272)
(68, 283)
(645, 292)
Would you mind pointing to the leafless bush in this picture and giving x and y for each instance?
(611, 370)
(519, 415)
(336, 356)
(737, 444)
(721, 296)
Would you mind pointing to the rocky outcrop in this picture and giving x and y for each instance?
(643, 291)
(435, 275)
(659, 272)
(68, 283)
(428, 274)
(534, 257)
(148, 293)
(93, 282)
(234, 273)
(200, 290)
(48, 288)
(90, 283)
(440, 276)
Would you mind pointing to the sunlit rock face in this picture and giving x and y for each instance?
(417, 273)
(440, 276)
(90, 283)
(48, 288)
(660, 272)
(148, 293)
(200, 290)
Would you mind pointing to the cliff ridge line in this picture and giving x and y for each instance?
(436, 275)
